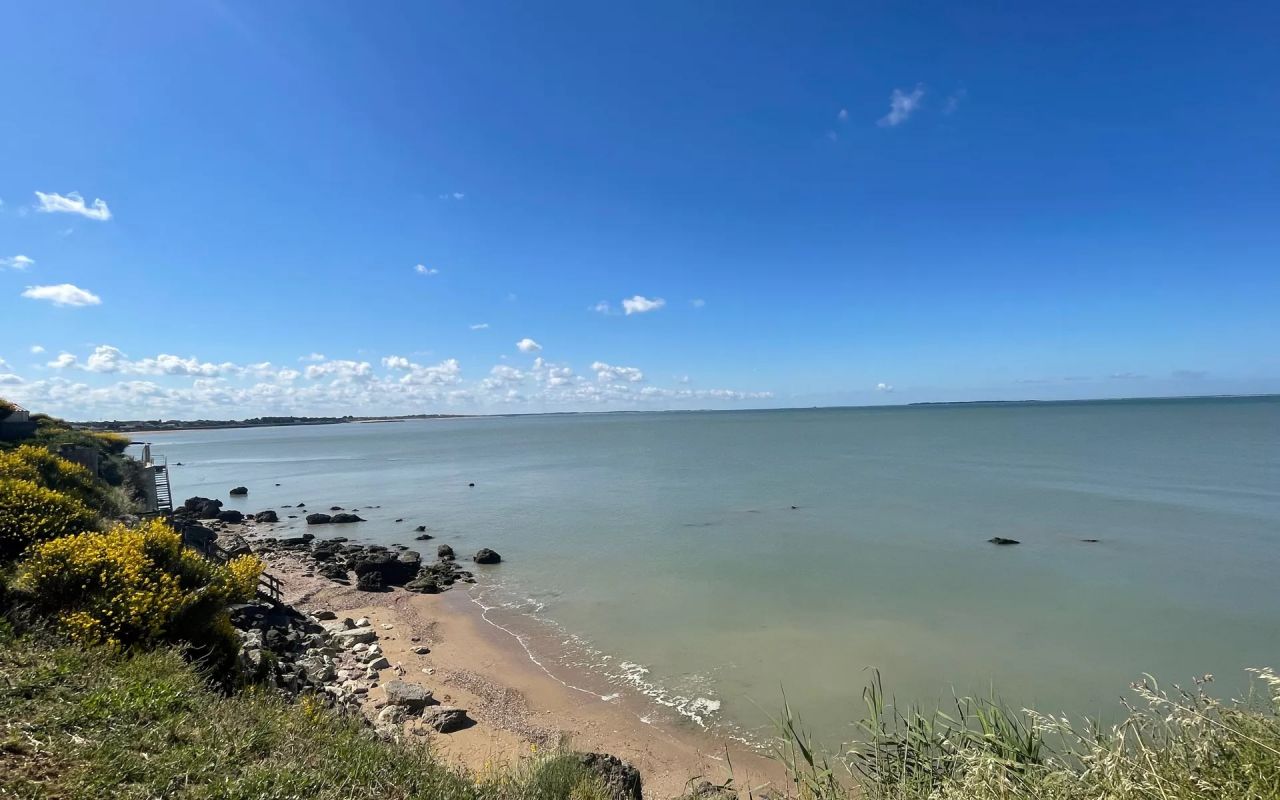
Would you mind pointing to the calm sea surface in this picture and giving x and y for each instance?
(662, 552)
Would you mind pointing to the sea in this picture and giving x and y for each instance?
(705, 565)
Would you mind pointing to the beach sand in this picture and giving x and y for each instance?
(518, 705)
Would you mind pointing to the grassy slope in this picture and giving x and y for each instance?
(90, 724)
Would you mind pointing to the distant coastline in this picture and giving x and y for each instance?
(150, 426)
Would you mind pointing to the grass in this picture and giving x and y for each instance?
(1172, 745)
(87, 723)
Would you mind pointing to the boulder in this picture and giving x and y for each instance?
(230, 515)
(391, 571)
(620, 779)
(340, 518)
(411, 696)
(239, 490)
(486, 556)
(353, 636)
(198, 536)
(421, 528)
(423, 585)
(1002, 540)
(445, 719)
(422, 537)
(369, 582)
(392, 715)
(318, 519)
(444, 552)
(324, 615)
(266, 516)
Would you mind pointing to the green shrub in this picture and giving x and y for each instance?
(31, 513)
(135, 586)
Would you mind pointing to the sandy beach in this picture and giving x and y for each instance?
(518, 706)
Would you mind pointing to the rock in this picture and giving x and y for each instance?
(444, 552)
(355, 636)
(318, 519)
(421, 528)
(390, 570)
(230, 515)
(378, 663)
(620, 779)
(486, 556)
(335, 508)
(364, 622)
(369, 582)
(334, 572)
(318, 667)
(323, 615)
(421, 650)
(471, 485)
(393, 715)
(423, 586)
(422, 537)
(198, 536)
(239, 490)
(1091, 541)
(340, 518)
(445, 719)
(400, 519)
(266, 516)
(1002, 540)
(411, 696)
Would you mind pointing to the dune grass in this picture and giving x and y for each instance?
(93, 723)
(1173, 745)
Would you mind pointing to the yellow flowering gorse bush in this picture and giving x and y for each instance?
(31, 513)
(135, 586)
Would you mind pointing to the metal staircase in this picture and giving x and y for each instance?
(164, 493)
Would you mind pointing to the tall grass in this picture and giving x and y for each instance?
(1172, 745)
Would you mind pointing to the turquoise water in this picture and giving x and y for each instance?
(662, 550)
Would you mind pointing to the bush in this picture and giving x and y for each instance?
(135, 586)
(31, 513)
(32, 463)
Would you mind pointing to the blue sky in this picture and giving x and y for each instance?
(836, 204)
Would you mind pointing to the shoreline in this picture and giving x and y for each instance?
(519, 703)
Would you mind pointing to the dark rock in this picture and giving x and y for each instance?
(420, 528)
(230, 515)
(197, 536)
(369, 582)
(1002, 540)
(239, 490)
(422, 537)
(333, 572)
(1091, 541)
(423, 586)
(446, 719)
(444, 552)
(486, 556)
(324, 614)
(390, 571)
(401, 519)
(620, 779)
(335, 508)
(318, 519)
(266, 516)
(340, 518)
(472, 485)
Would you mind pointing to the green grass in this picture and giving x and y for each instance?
(78, 723)
(1172, 745)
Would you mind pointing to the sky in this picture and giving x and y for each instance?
(224, 209)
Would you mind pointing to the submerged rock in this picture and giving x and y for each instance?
(1002, 540)
(340, 518)
(239, 490)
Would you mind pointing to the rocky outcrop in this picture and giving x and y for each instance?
(230, 515)
(486, 556)
(444, 551)
(238, 491)
(620, 779)
(369, 582)
(1002, 540)
(201, 508)
(341, 518)
(318, 519)
(266, 516)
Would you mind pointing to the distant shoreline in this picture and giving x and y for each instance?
(158, 426)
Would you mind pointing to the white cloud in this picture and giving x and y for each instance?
(452, 196)
(341, 371)
(527, 345)
(313, 357)
(611, 374)
(883, 387)
(37, 348)
(901, 107)
(697, 302)
(479, 326)
(954, 100)
(640, 304)
(602, 307)
(843, 116)
(423, 269)
(63, 361)
(63, 294)
(73, 203)
(395, 362)
(9, 379)
(16, 262)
